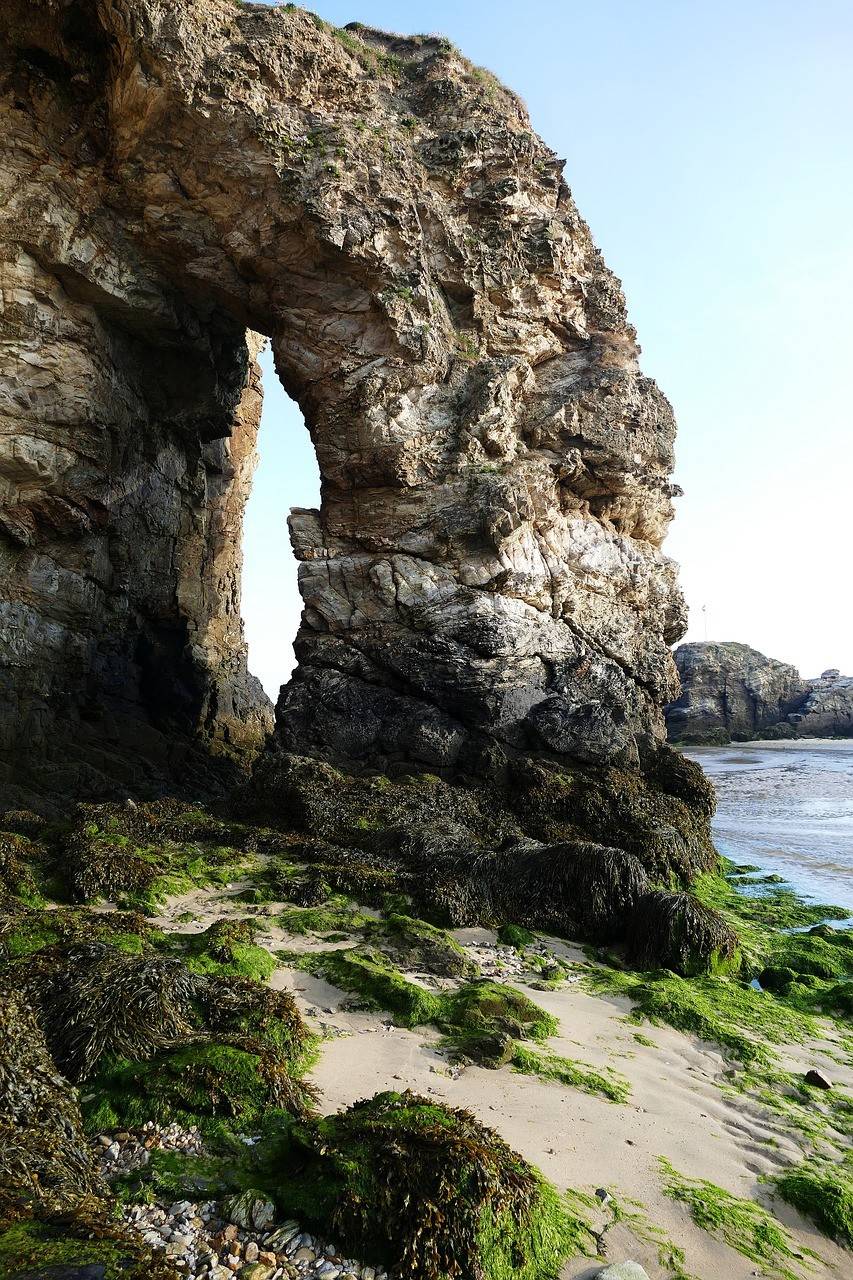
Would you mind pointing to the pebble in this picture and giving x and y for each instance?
(622, 1271)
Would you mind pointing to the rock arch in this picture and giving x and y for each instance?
(484, 577)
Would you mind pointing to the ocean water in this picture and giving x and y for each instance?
(787, 807)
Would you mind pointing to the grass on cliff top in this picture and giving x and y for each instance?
(743, 1225)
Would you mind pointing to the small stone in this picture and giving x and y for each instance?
(304, 1254)
(817, 1079)
(622, 1271)
(251, 1212)
(255, 1271)
(251, 1252)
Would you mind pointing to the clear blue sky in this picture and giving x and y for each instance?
(710, 148)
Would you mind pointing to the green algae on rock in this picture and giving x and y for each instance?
(419, 946)
(431, 1192)
(227, 947)
(474, 1008)
(84, 1242)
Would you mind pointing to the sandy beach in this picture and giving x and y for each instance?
(679, 1107)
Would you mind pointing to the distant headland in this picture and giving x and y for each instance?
(733, 693)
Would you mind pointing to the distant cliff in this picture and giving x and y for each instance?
(732, 692)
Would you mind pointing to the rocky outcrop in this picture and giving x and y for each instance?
(828, 709)
(730, 691)
(484, 577)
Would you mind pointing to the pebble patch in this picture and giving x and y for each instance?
(199, 1237)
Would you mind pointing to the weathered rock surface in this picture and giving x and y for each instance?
(484, 577)
(730, 691)
(828, 710)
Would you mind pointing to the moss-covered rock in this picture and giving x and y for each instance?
(154, 1040)
(227, 947)
(430, 1192)
(416, 945)
(235, 1006)
(475, 1008)
(18, 854)
(368, 974)
(679, 932)
(238, 1083)
(489, 1007)
(515, 935)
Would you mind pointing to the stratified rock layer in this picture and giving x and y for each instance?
(732, 691)
(484, 577)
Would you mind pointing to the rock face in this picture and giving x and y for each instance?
(828, 709)
(484, 577)
(730, 691)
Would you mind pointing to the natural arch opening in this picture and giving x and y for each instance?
(286, 475)
(483, 582)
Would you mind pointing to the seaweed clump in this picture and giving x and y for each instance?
(431, 1192)
(154, 1040)
(94, 1000)
(676, 931)
(45, 1164)
(824, 1193)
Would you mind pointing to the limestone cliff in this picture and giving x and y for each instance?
(484, 577)
(730, 691)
